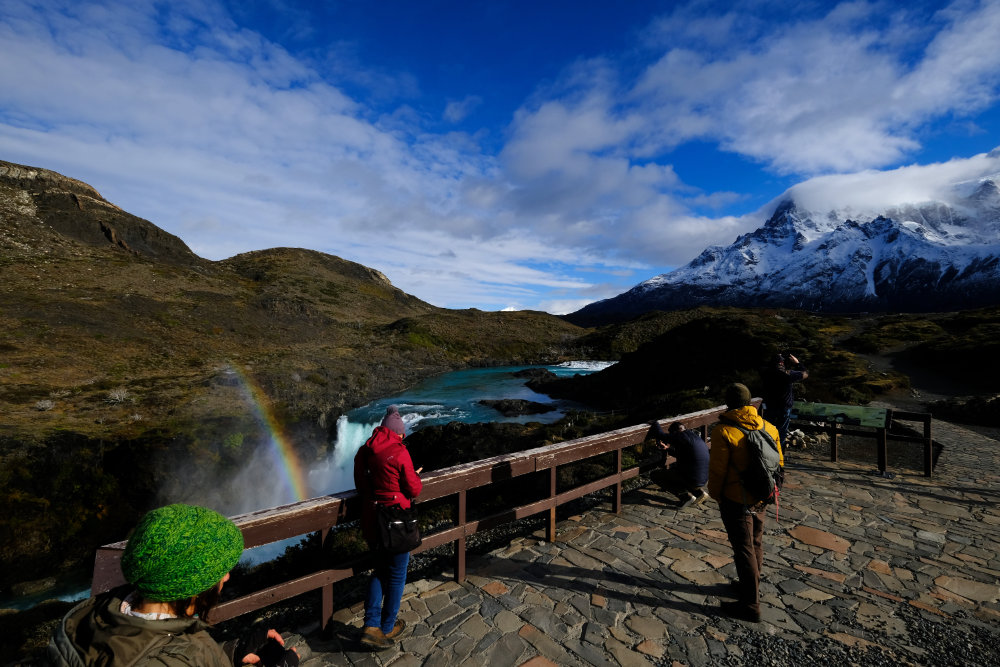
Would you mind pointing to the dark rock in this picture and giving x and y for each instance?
(511, 407)
(33, 587)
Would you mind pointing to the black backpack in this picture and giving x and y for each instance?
(763, 476)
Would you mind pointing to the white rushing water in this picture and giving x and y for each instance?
(586, 366)
(336, 473)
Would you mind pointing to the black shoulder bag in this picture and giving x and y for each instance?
(397, 529)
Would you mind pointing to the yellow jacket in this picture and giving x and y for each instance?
(728, 454)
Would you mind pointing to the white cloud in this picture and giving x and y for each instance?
(231, 141)
(835, 92)
(877, 191)
(961, 71)
(457, 111)
(566, 306)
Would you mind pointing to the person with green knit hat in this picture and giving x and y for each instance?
(179, 551)
(176, 563)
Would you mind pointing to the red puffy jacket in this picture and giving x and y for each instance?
(383, 473)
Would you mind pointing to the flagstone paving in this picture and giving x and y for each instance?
(859, 569)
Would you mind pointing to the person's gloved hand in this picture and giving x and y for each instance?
(273, 654)
(265, 648)
(250, 642)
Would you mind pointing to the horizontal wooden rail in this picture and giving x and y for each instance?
(881, 436)
(321, 514)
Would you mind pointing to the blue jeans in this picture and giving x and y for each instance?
(385, 590)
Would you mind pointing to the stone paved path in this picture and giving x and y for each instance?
(859, 565)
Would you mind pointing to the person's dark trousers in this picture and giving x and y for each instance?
(781, 419)
(671, 479)
(746, 533)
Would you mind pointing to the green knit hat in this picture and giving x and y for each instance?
(179, 551)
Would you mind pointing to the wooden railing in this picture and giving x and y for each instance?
(882, 436)
(322, 514)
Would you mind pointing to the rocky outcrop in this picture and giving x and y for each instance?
(77, 211)
(512, 407)
(535, 374)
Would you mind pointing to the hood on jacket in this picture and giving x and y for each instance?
(382, 438)
(746, 417)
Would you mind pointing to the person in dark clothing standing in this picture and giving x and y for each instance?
(690, 472)
(778, 395)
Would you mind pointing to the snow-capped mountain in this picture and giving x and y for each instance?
(941, 253)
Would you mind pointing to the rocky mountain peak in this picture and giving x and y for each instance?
(37, 180)
(923, 256)
(987, 194)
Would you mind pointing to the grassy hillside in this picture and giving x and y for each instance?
(962, 349)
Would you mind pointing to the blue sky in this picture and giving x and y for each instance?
(488, 154)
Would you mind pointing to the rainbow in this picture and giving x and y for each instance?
(284, 453)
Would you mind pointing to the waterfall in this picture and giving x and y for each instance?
(336, 473)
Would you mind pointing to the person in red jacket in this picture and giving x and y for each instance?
(384, 474)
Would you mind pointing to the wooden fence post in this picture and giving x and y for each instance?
(883, 450)
(551, 523)
(326, 603)
(928, 448)
(460, 542)
(616, 503)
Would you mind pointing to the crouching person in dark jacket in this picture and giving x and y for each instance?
(176, 563)
(689, 473)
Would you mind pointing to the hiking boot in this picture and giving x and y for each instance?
(740, 611)
(685, 500)
(701, 497)
(375, 639)
(397, 630)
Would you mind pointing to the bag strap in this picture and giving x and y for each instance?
(745, 431)
(371, 479)
(369, 452)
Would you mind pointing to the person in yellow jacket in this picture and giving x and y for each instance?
(743, 517)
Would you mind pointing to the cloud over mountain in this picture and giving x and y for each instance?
(914, 239)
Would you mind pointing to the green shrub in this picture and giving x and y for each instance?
(233, 441)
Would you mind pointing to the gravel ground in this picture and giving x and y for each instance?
(962, 641)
